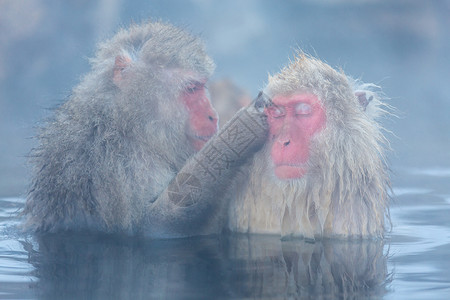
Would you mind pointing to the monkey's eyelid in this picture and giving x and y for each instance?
(193, 83)
(276, 111)
(194, 86)
(303, 109)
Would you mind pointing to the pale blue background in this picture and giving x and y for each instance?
(403, 46)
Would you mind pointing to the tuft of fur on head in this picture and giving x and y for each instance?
(109, 150)
(345, 192)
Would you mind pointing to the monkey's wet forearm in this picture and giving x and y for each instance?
(194, 196)
(240, 138)
(219, 159)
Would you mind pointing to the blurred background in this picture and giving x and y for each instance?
(403, 46)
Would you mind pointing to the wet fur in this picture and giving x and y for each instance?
(345, 192)
(108, 152)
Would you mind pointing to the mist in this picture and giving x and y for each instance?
(402, 46)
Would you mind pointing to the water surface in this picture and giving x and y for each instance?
(413, 262)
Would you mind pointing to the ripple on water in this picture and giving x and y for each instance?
(16, 272)
(420, 242)
(418, 250)
(435, 172)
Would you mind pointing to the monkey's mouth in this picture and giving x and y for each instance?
(204, 138)
(198, 141)
(290, 170)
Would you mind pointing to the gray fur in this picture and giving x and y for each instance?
(199, 206)
(108, 153)
(345, 192)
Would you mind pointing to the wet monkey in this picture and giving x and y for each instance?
(122, 154)
(322, 171)
(136, 150)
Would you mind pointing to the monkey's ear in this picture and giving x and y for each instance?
(120, 64)
(363, 100)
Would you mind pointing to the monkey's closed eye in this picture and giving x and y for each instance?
(195, 87)
(191, 89)
(303, 109)
(276, 112)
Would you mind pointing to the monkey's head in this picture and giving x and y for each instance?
(158, 73)
(315, 118)
(322, 170)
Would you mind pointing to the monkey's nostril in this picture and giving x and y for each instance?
(210, 118)
(286, 143)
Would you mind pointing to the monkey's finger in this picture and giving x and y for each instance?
(262, 101)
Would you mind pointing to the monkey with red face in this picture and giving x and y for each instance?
(322, 172)
(122, 154)
(135, 150)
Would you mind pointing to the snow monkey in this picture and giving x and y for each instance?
(117, 157)
(322, 172)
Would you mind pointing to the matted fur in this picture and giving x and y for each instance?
(345, 192)
(108, 152)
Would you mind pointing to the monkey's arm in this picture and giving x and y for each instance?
(192, 203)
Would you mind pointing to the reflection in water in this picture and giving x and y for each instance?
(323, 269)
(105, 267)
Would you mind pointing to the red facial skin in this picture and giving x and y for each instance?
(203, 119)
(293, 121)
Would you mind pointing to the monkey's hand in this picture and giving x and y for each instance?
(244, 134)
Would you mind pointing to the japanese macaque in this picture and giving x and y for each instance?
(322, 172)
(117, 157)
